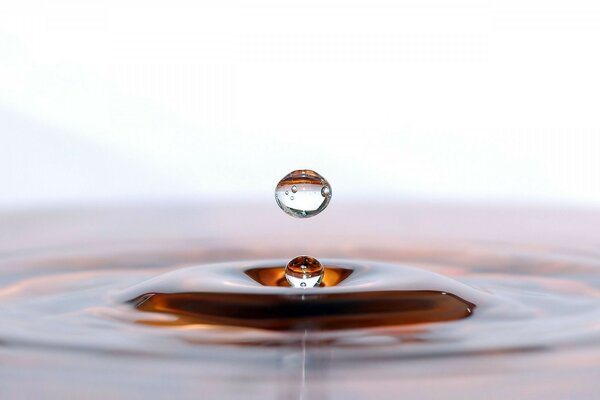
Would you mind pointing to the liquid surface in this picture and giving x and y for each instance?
(159, 303)
(303, 193)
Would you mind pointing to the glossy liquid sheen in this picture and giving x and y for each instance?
(317, 310)
(162, 302)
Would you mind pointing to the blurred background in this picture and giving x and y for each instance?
(466, 101)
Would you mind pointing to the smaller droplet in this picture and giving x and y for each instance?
(304, 271)
(291, 197)
(325, 191)
(294, 189)
(286, 192)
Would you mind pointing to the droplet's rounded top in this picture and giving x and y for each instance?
(303, 193)
(304, 271)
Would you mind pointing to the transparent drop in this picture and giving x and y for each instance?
(304, 271)
(312, 193)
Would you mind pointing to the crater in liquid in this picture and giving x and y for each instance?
(297, 310)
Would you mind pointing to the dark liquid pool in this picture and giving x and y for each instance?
(191, 302)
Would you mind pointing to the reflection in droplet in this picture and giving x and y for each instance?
(304, 271)
(312, 193)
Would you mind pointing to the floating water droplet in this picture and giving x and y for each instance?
(312, 193)
(304, 271)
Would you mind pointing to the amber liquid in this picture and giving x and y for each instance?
(308, 312)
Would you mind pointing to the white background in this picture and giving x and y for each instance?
(483, 101)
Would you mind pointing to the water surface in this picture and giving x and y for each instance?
(422, 302)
